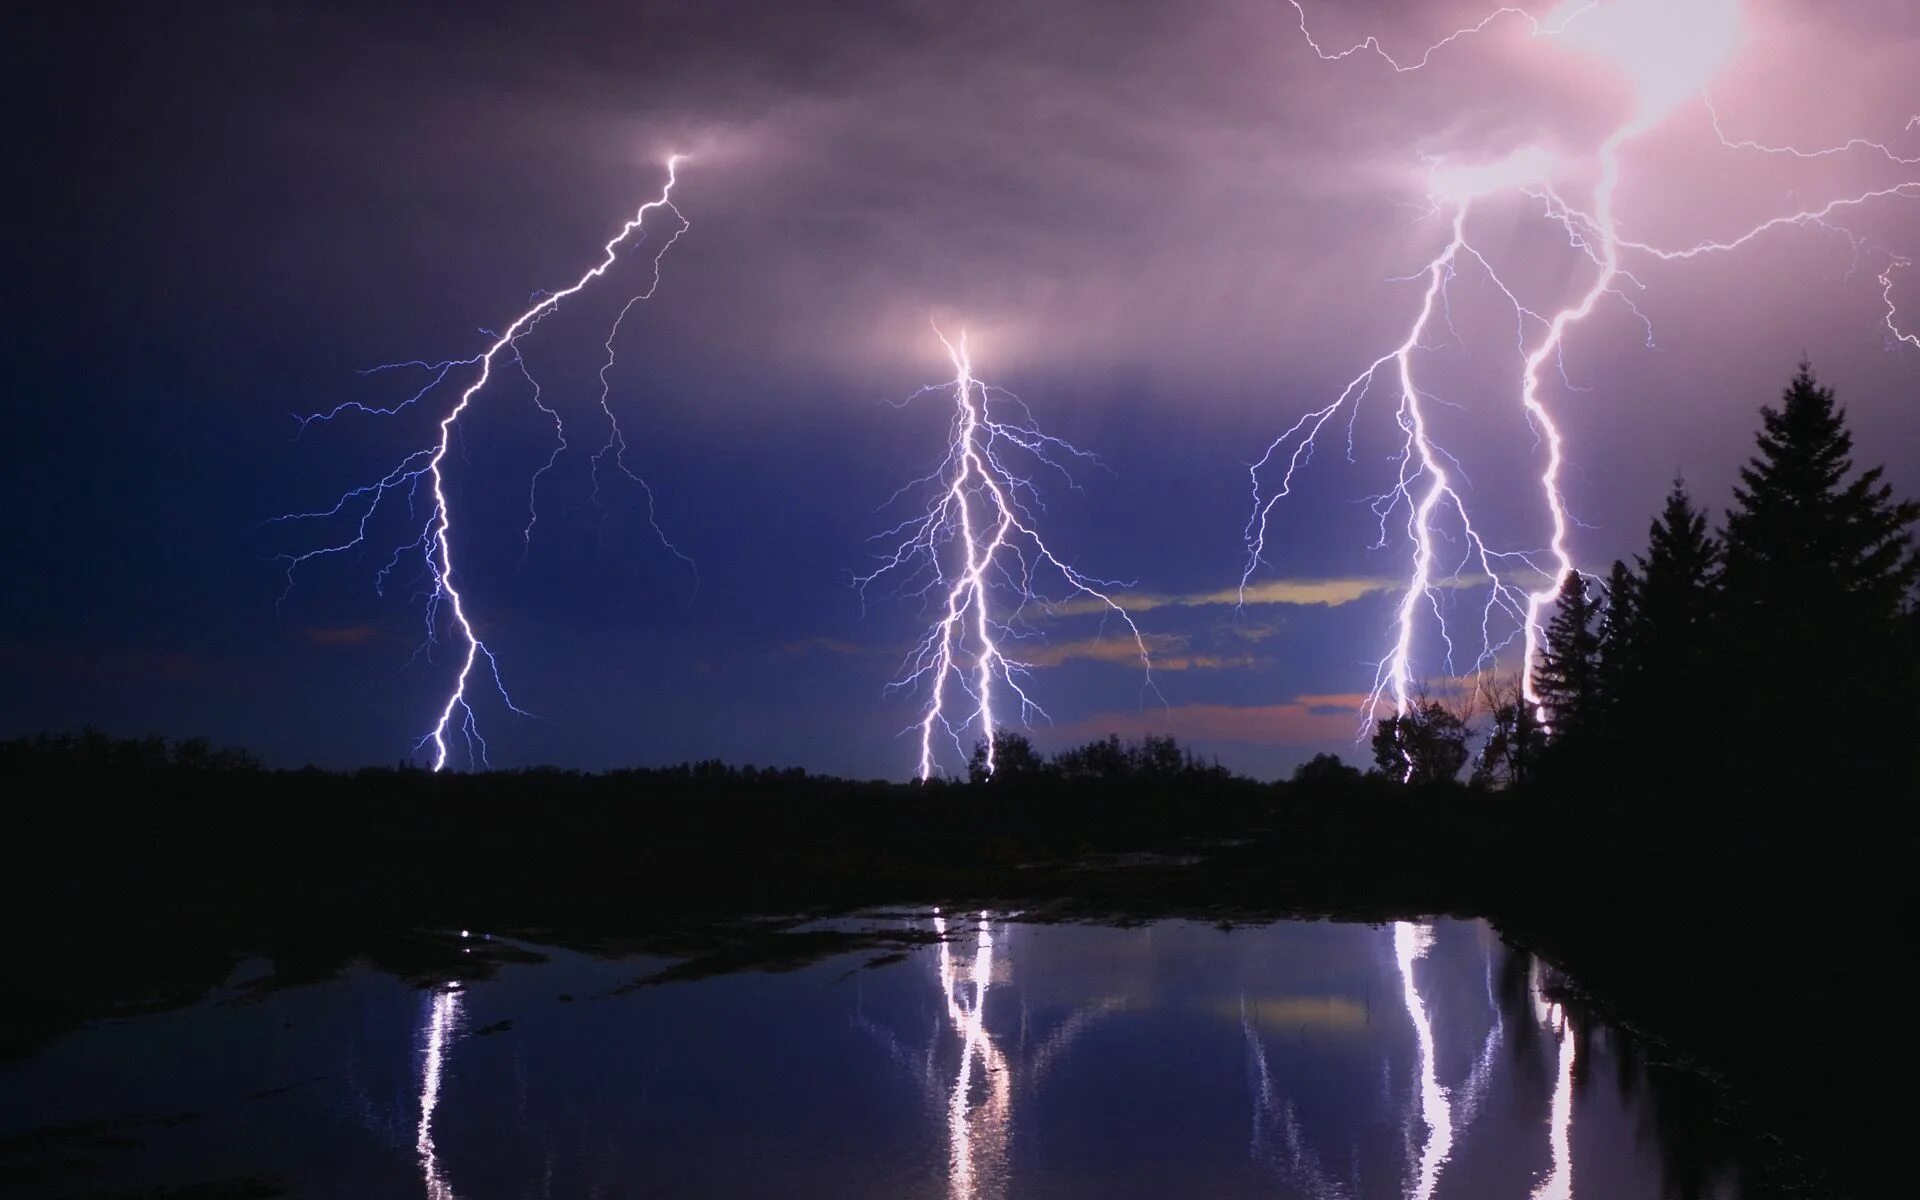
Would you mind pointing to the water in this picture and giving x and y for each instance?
(1300, 1059)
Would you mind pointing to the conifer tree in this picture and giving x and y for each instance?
(1819, 567)
(1567, 678)
(1676, 605)
(1620, 658)
(1803, 541)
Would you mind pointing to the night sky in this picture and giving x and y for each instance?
(1168, 226)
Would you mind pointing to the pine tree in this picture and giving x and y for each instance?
(1567, 678)
(1677, 603)
(1620, 658)
(1803, 544)
(1819, 567)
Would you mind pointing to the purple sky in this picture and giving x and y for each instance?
(1170, 227)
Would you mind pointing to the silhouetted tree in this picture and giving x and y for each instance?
(1819, 567)
(1105, 758)
(1567, 678)
(1677, 596)
(1801, 534)
(1658, 640)
(1156, 758)
(1619, 654)
(1325, 771)
(1514, 739)
(1013, 758)
(1426, 744)
(1159, 757)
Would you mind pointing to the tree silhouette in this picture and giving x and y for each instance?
(1427, 744)
(1105, 758)
(1013, 758)
(1678, 592)
(1326, 771)
(1819, 568)
(1659, 658)
(1620, 655)
(1567, 678)
(1803, 543)
(1514, 739)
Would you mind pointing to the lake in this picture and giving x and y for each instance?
(1313, 1059)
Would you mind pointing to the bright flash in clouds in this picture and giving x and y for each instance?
(1669, 52)
(1668, 49)
(1457, 183)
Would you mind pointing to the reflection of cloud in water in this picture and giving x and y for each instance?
(443, 1019)
(1326, 1015)
(1290, 1157)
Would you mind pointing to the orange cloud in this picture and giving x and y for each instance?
(1327, 1014)
(1329, 592)
(1350, 702)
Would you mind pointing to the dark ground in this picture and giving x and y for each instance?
(1753, 950)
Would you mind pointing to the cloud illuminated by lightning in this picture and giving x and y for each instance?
(1669, 51)
(426, 467)
(976, 544)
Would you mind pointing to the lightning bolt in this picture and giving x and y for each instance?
(1371, 45)
(1424, 487)
(977, 538)
(978, 1129)
(1893, 312)
(425, 468)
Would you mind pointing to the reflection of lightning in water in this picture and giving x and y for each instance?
(443, 1020)
(1668, 50)
(977, 1137)
(1292, 1159)
(433, 537)
(1474, 1091)
(979, 510)
(1410, 943)
(1448, 1114)
(1059, 1041)
(978, 1134)
(1558, 1185)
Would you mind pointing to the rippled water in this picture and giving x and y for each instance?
(1300, 1059)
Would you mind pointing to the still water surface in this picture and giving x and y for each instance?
(1301, 1059)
